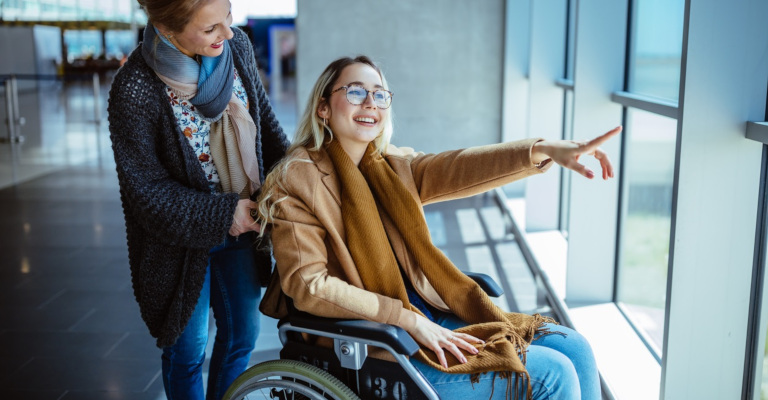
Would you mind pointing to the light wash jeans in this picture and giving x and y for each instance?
(232, 289)
(560, 367)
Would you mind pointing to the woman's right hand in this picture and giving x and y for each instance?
(242, 221)
(438, 339)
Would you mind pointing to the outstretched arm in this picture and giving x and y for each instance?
(567, 153)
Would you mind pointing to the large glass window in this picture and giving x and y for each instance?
(649, 164)
(82, 44)
(67, 10)
(119, 43)
(657, 43)
(648, 160)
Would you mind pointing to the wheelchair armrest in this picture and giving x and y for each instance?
(394, 336)
(486, 283)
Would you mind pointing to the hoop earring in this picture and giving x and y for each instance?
(324, 122)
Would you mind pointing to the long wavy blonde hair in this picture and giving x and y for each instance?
(311, 133)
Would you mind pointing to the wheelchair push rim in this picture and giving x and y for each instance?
(285, 379)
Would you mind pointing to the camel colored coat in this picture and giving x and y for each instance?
(314, 265)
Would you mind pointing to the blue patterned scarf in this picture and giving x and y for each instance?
(208, 86)
(213, 76)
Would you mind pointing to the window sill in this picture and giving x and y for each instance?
(626, 364)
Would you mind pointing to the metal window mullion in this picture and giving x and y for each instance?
(646, 103)
(758, 307)
(758, 131)
(564, 83)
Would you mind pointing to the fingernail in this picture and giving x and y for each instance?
(590, 174)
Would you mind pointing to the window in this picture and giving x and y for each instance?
(82, 44)
(657, 43)
(756, 376)
(119, 43)
(763, 355)
(653, 85)
(649, 164)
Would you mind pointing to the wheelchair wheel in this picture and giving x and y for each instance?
(288, 380)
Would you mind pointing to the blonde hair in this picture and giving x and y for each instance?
(312, 132)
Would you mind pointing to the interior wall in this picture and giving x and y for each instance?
(442, 58)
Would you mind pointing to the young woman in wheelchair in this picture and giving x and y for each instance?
(350, 241)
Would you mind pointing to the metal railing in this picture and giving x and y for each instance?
(559, 308)
(14, 121)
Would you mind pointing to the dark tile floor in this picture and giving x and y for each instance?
(68, 321)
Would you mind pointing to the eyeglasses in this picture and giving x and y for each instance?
(356, 95)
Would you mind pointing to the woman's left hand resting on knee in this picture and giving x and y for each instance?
(437, 338)
(567, 152)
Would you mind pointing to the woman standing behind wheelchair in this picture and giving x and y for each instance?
(193, 133)
(351, 241)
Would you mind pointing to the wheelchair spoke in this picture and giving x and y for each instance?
(288, 380)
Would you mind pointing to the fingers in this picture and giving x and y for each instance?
(470, 338)
(454, 344)
(441, 356)
(605, 163)
(442, 341)
(596, 142)
(456, 352)
(581, 169)
(448, 344)
(593, 147)
(462, 341)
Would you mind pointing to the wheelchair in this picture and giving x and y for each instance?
(344, 372)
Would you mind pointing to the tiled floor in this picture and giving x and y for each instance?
(69, 325)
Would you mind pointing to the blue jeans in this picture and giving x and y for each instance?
(560, 367)
(232, 289)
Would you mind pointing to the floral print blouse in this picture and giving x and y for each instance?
(197, 129)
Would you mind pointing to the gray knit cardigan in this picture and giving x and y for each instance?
(172, 219)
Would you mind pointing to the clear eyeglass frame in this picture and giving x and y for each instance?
(356, 95)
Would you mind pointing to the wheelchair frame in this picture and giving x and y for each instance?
(351, 339)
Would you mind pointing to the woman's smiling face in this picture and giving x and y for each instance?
(355, 125)
(206, 31)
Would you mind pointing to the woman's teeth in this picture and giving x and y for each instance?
(365, 119)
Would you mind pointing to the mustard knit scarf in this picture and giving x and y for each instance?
(506, 335)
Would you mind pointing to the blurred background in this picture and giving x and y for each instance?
(662, 268)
